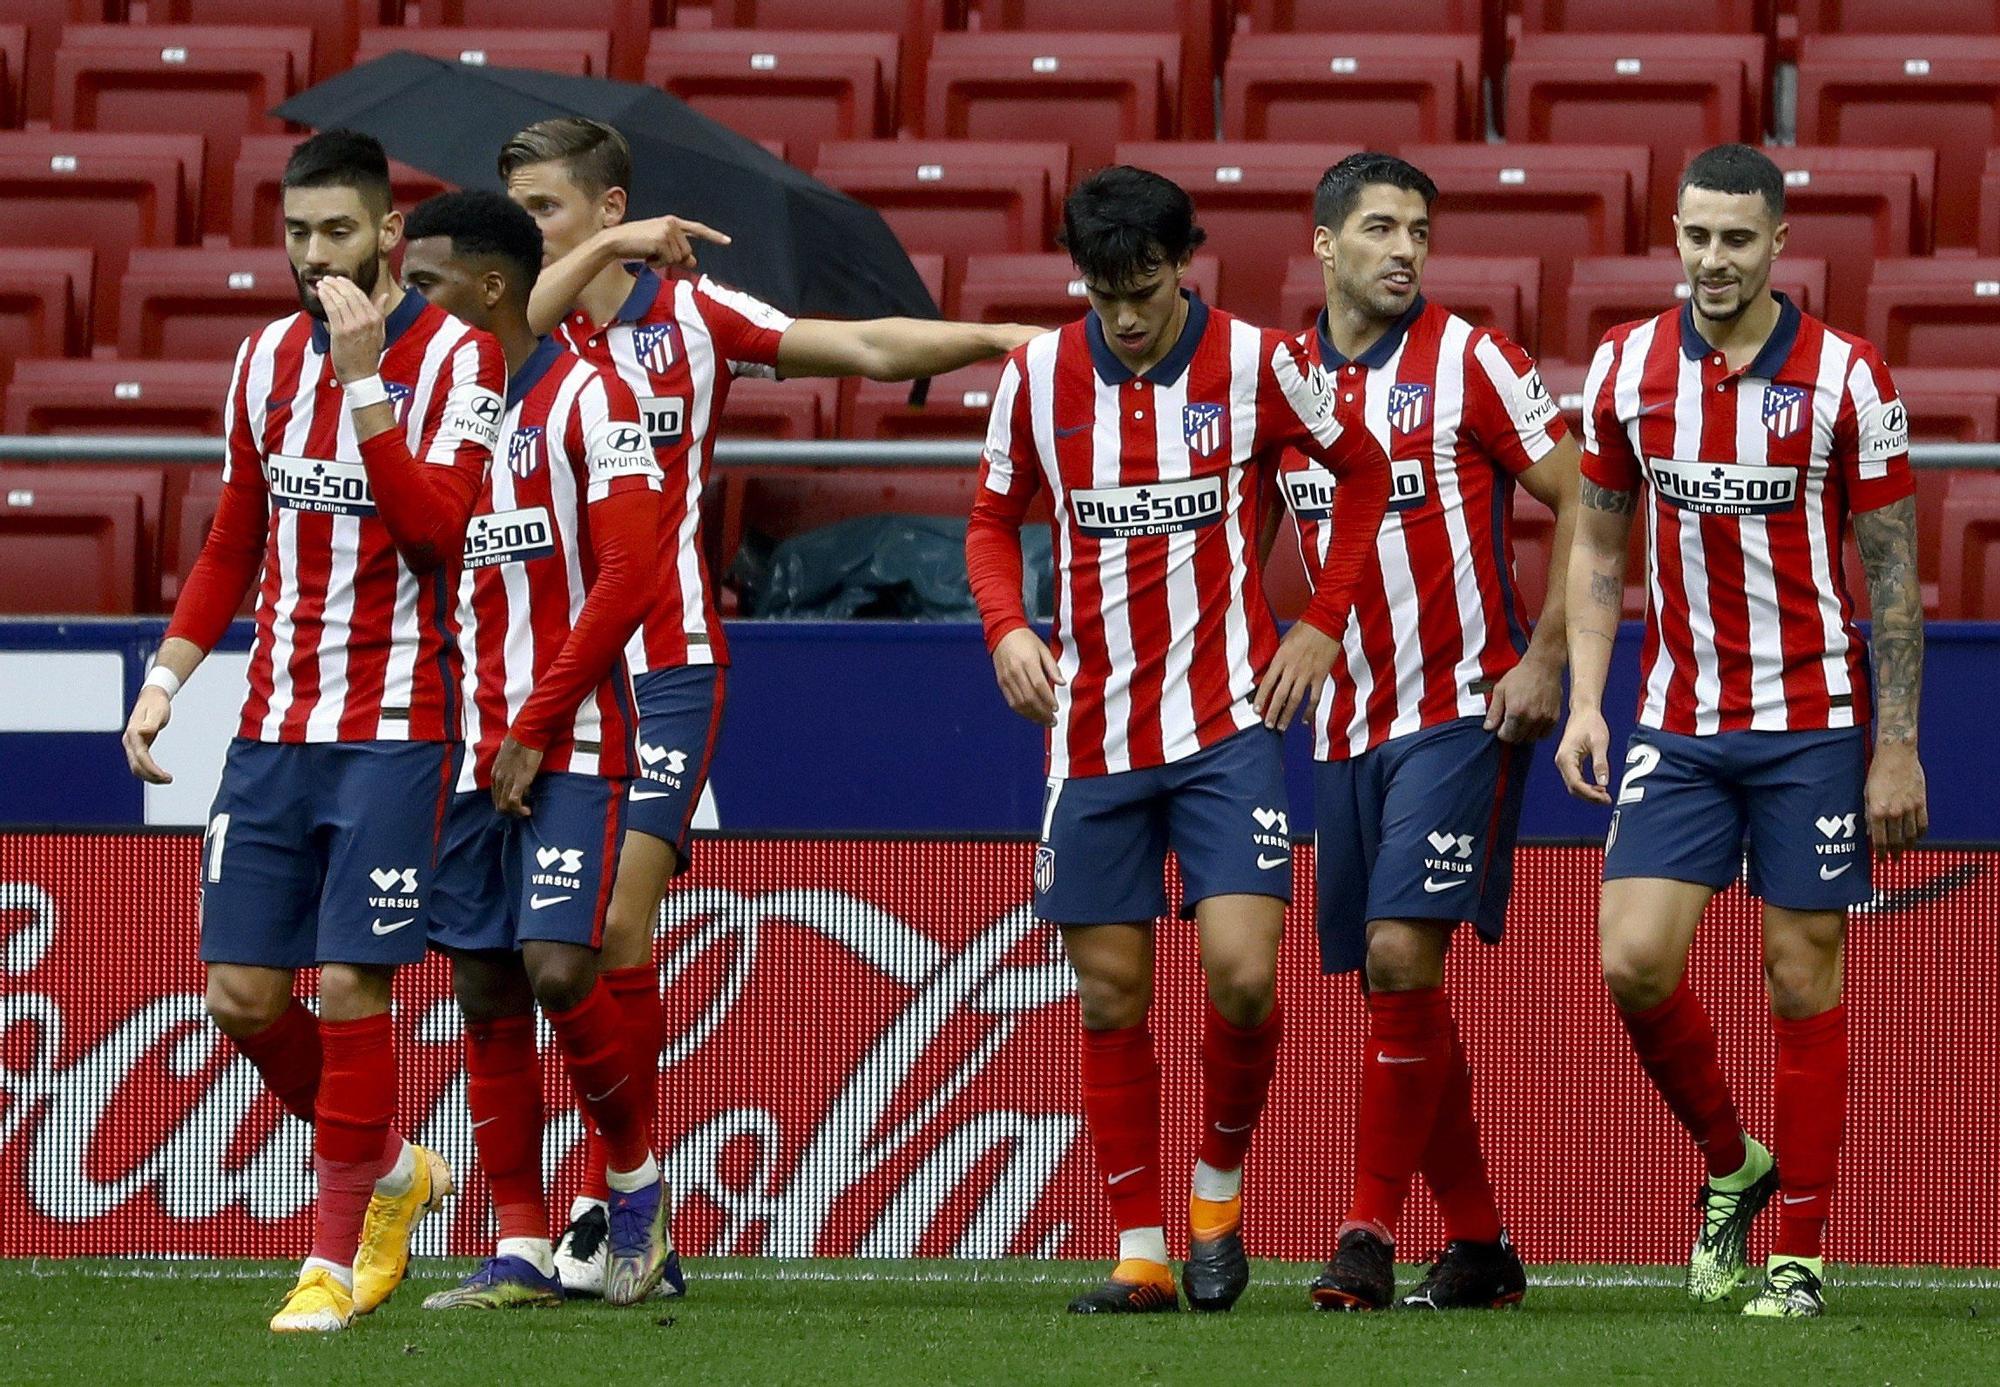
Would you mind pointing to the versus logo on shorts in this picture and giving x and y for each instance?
(319, 484)
(508, 536)
(1724, 488)
(1273, 831)
(1158, 508)
(664, 418)
(558, 867)
(395, 888)
(1451, 854)
(664, 764)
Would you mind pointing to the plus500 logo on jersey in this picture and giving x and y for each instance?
(317, 484)
(1159, 508)
(665, 418)
(508, 536)
(1724, 488)
(1309, 489)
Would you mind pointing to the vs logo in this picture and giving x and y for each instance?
(568, 861)
(399, 881)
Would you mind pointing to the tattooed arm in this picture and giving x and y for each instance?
(1596, 599)
(1898, 804)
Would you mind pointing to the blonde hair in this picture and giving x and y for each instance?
(593, 154)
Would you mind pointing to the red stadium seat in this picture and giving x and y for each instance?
(13, 73)
(1969, 548)
(626, 22)
(1255, 202)
(1533, 532)
(1661, 16)
(1989, 204)
(1951, 404)
(71, 491)
(1898, 17)
(801, 87)
(199, 303)
(68, 552)
(184, 529)
(1936, 90)
(1044, 288)
(181, 398)
(1375, 90)
(956, 407)
(111, 192)
(916, 21)
(1500, 292)
(931, 269)
(1936, 312)
(576, 52)
(257, 216)
(1607, 291)
(781, 409)
(954, 197)
(1200, 23)
(213, 81)
(335, 23)
(1365, 16)
(1095, 89)
(44, 302)
(44, 20)
(1666, 91)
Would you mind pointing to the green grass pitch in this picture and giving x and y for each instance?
(128, 1323)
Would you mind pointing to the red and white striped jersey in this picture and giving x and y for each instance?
(572, 439)
(1460, 411)
(351, 645)
(1752, 476)
(1157, 483)
(678, 342)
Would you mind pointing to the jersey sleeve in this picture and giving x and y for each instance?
(746, 329)
(611, 440)
(1512, 413)
(1294, 400)
(1871, 440)
(463, 428)
(1009, 476)
(1608, 459)
(234, 549)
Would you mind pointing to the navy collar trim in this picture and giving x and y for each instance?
(1380, 351)
(395, 325)
(1167, 369)
(1771, 357)
(532, 370)
(645, 293)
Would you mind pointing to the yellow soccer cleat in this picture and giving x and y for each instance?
(384, 1254)
(319, 1304)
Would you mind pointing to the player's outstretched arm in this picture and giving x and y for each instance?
(1528, 699)
(1595, 600)
(665, 243)
(893, 348)
(1898, 801)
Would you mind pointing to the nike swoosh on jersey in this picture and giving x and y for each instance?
(1432, 885)
(1072, 431)
(538, 902)
(1123, 1175)
(1267, 863)
(381, 928)
(649, 794)
(1826, 874)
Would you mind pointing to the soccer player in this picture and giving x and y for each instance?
(678, 341)
(559, 561)
(358, 432)
(1755, 433)
(1422, 739)
(1154, 424)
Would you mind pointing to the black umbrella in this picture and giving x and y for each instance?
(800, 245)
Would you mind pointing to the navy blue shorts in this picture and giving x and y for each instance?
(1103, 855)
(323, 852)
(1419, 828)
(1688, 806)
(680, 713)
(502, 880)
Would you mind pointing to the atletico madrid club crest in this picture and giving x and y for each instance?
(1784, 409)
(399, 399)
(1201, 427)
(654, 346)
(524, 452)
(1409, 407)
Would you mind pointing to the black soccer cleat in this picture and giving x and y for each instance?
(1144, 1294)
(1217, 1271)
(1471, 1276)
(1361, 1276)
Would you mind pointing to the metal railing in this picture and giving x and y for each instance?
(729, 452)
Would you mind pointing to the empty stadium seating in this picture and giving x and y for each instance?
(1969, 547)
(1500, 292)
(801, 87)
(200, 302)
(917, 21)
(626, 22)
(956, 406)
(1365, 16)
(954, 197)
(579, 52)
(95, 527)
(1607, 291)
(1898, 17)
(335, 23)
(1094, 89)
(1044, 288)
(13, 73)
(190, 511)
(1951, 404)
(1372, 90)
(44, 302)
(177, 398)
(1936, 312)
(1659, 16)
(1903, 90)
(781, 409)
(257, 214)
(1198, 22)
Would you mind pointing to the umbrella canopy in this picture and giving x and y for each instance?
(799, 244)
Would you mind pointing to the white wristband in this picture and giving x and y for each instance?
(367, 391)
(163, 679)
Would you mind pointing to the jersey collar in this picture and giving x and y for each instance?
(1771, 357)
(393, 326)
(1168, 368)
(1381, 351)
(645, 293)
(532, 370)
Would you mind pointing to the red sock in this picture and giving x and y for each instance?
(357, 1100)
(637, 992)
(1402, 1075)
(286, 1055)
(1121, 1107)
(503, 1091)
(1812, 1108)
(1236, 1067)
(1676, 1046)
(1452, 1164)
(592, 1038)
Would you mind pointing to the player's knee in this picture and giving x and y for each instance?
(1243, 989)
(1802, 984)
(1638, 980)
(239, 1011)
(562, 979)
(1403, 959)
(1112, 1002)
